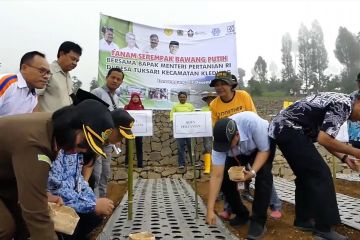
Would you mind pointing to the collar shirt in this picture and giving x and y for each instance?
(65, 180)
(105, 46)
(104, 94)
(15, 95)
(57, 93)
(253, 137)
(325, 111)
(25, 159)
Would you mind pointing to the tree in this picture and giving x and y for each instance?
(93, 84)
(76, 84)
(255, 87)
(241, 73)
(347, 51)
(318, 57)
(304, 56)
(288, 71)
(260, 69)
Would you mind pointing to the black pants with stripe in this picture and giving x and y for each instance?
(263, 188)
(315, 196)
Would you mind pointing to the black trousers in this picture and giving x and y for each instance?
(263, 188)
(315, 193)
(139, 151)
(87, 223)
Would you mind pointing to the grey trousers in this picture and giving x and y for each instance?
(102, 172)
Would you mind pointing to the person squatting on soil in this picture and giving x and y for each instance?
(242, 139)
(27, 154)
(182, 106)
(228, 102)
(316, 118)
(67, 181)
(135, 104)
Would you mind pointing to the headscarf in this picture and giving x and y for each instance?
(132, 105)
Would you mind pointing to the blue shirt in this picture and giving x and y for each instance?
(65, 180)
(354, 127)
(253, 132)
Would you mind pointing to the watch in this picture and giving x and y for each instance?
(253, 172)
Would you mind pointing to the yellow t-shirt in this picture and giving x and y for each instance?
(241, 102)
(178, 107)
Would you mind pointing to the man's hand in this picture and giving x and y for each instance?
(350, 161)
(211, 217)
(55, 199)
(104, 206)
(247, 176)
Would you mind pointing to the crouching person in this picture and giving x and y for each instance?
(65, 180)
(242, 139)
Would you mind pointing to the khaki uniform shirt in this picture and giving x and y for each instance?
(26, 154)
(57, 93)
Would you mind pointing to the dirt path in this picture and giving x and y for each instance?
(276, 229)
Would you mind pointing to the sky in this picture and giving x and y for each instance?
(43, 25)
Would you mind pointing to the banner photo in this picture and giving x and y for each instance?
(143, 125)
(192, 124)
(160, 62)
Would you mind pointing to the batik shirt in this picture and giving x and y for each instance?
(65, 180)
(325, 111)
(354, 127)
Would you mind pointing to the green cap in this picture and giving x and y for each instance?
(224, 76)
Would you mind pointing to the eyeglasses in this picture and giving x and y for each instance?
(43, 71)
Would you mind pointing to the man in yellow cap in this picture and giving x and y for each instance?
(27, 154)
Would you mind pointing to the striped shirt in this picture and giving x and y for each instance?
(15, 96)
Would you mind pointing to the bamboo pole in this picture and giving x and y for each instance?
(192, 155)
(130, 153)
(333, 167)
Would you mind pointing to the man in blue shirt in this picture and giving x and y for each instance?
(240, 140)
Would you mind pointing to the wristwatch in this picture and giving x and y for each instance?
(253, 172)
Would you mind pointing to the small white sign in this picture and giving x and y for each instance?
(192, 124)
(143, 125)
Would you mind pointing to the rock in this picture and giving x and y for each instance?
(120, 174)
(164, 137)
(166, 143)
(169, 171)
(144, 174)
(155, 156)
(166, 161)
(156, 146)
(165, 151)
(153, 175)
(158, 169)
(146, 147)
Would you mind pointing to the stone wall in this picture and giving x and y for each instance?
(160, 150)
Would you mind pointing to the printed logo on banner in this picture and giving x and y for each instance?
(231, 29)
(190, 33)
(180, 32)
(168, 32)
(216, 31)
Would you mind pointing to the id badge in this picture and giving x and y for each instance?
(240, 186)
